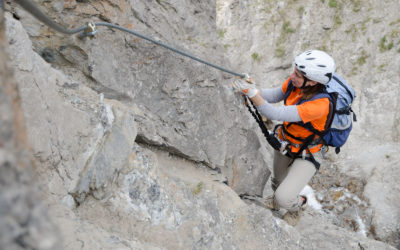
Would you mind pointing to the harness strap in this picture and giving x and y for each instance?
(310, 158)
(303, 147)
(284, 131)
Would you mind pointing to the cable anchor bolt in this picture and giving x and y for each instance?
(90, 31)
(247, 78)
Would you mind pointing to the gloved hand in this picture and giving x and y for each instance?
(244, 87)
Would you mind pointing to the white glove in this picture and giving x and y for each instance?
(244, 87)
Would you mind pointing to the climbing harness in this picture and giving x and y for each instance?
(90, 30)
(317, 137)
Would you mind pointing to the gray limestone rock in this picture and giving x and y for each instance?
(24, 219)
(386, 219)
(188, 108)
(86, 102)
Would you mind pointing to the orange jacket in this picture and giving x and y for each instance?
(314, 111)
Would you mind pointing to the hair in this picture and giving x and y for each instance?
(308, 93)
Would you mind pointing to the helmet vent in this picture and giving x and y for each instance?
(302, 66)
(322, 66)
(310, 58)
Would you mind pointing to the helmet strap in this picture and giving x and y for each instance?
(304, 83)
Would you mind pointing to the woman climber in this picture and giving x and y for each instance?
(305, 115)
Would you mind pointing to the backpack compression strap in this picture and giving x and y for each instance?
(348, 110)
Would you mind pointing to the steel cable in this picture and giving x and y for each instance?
(36, 12)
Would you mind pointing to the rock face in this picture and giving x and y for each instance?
(187, 108)
(24, 220)
(137, 147)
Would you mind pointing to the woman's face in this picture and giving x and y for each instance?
(298, 79)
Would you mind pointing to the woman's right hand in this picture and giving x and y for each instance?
(245, 88)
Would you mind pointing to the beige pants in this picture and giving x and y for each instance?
(289, 177)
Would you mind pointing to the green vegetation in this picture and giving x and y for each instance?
(349, 30)
(354, 71)
(300, 10)
(286, 30)
(389, 41)
(376, 20)
(395, 33)
(221, 33)
(190, 39)
(356, 5)
(385, 45)
(286, 27)
(382, 67)
(198, 188)
(204, 44)
(323, 48)
(280, 51)
(332, 3)
(256, 57)
(226, 46)
(364, 24)
(352, 31)
(338, 21)
(363, 58)
(382, 45)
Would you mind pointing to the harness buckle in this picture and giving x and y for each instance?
(284, 147)
(324, 150)
(303, 154)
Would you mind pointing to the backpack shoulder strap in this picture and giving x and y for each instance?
(344, 86)
(289, 90)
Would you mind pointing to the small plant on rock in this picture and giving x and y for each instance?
(198, 188)
(255, 56)
(332, 3)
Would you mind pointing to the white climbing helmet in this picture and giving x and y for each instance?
(315, 65)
